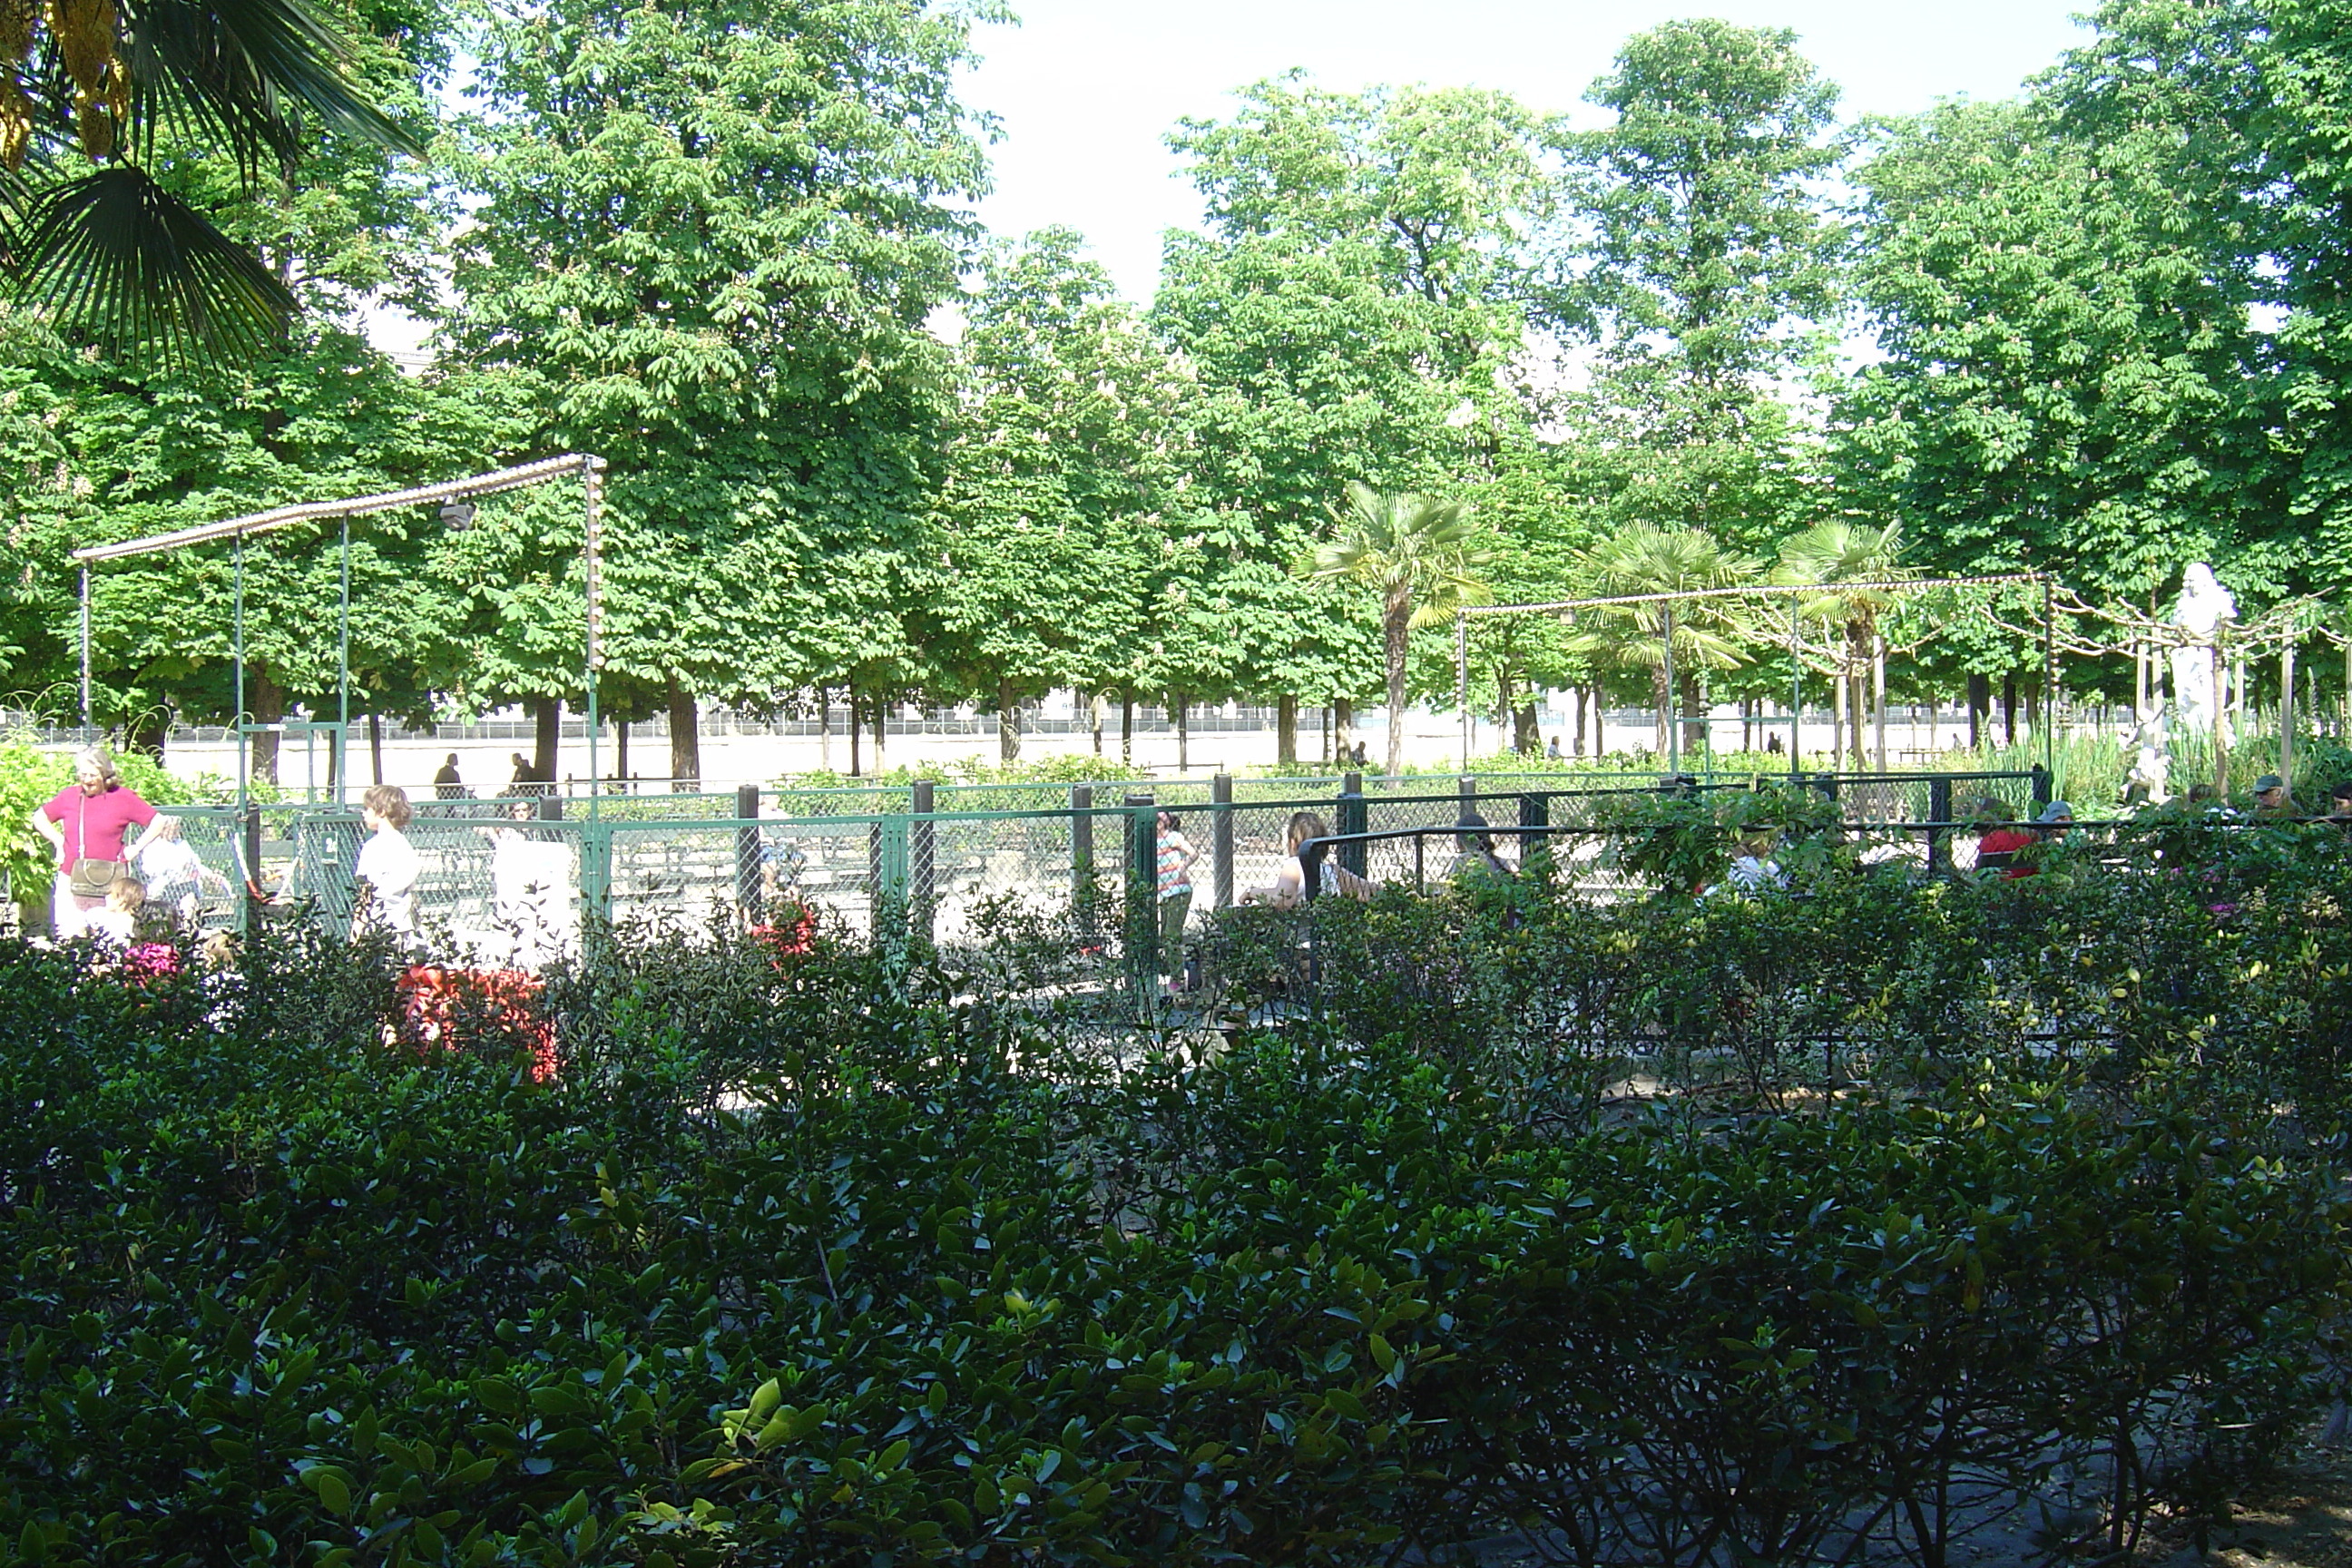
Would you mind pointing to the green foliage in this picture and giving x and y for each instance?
(806, 1259)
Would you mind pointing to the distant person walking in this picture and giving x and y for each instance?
(84, 823)
(446, 784)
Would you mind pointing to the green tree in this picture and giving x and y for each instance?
(1348, 316)
(1697, 256)
(114, 446)
(710, 235)
(1056, 474)
(1416, 555)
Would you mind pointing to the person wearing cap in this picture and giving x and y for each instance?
(1999, 839)
(2339, 805)
(2271, 797)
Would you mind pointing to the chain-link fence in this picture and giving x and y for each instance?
(516, 879)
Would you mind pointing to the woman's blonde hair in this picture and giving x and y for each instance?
(389, 801)
(99, 760)
(1304, 825)
(128, 891)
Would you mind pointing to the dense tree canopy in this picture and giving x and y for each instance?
(2103, 330)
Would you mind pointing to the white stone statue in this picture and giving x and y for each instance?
(2151, 769)
(2204, 606)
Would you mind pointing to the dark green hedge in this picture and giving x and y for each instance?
(929, 1283)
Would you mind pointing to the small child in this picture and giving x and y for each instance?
(117, 923)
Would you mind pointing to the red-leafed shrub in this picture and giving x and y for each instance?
(473, 1009)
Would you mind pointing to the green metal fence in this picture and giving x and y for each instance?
(516, 882)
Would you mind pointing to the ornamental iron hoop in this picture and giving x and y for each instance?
(1463, 612)
(589, 467)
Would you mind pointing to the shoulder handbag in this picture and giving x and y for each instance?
(89, 877)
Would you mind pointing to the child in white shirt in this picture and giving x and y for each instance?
(388, 863)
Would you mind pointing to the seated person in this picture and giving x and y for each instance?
(1288, 889)
(1476, 861)
(1999, 839)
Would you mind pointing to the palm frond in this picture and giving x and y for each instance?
(245, 69)
(115, 256)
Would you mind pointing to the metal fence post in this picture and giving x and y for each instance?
(1082, 840)
(596, 869)
(1220, 839)
(1083, 897)
(747, 854)
(889, 855)
(1142, 938)
(1535, 811)
(251, 828)
(1354, 817)
(922, 854)
(1465, 787)
(1939, 812)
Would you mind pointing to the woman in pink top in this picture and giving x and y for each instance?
(85, 821)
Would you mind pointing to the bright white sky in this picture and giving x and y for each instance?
(1085, 90)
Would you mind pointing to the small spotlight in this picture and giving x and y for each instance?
(457, 515)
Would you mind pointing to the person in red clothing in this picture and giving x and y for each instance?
(2000, 839)
(85, 822)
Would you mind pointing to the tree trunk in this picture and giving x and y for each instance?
(1343, 719)
(1127, 729)
(1878, 697)
(1286, 730)
(1395, 629)
(851, 691)
(1694, 714)
(685, 738)
(2008, 709)
(621, 751)
(144, 733)
(1182, 712)
(1578, 701)
(1008, 724)
(376, 745)
(1525, 734)
(1980, 704)
(267, 701)
(1097, 707)
(880, 706)
(1661, 699)
(824, 728)
(546, 728)
(1837, 720)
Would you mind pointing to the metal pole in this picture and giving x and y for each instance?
(343, 669)
(85, 651)
(237, 654)
(1461, 681)
(1673, 724)
(1795, 696)
(2287, 712)
(2049, 681)
(591, 483)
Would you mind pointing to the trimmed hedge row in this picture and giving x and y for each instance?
(928, 1286)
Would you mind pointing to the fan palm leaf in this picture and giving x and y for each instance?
(109, 251)
(1417, 554)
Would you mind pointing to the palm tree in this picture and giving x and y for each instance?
(85, 88)
(1836, 553)
(1417, 553)
(1647, 559)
